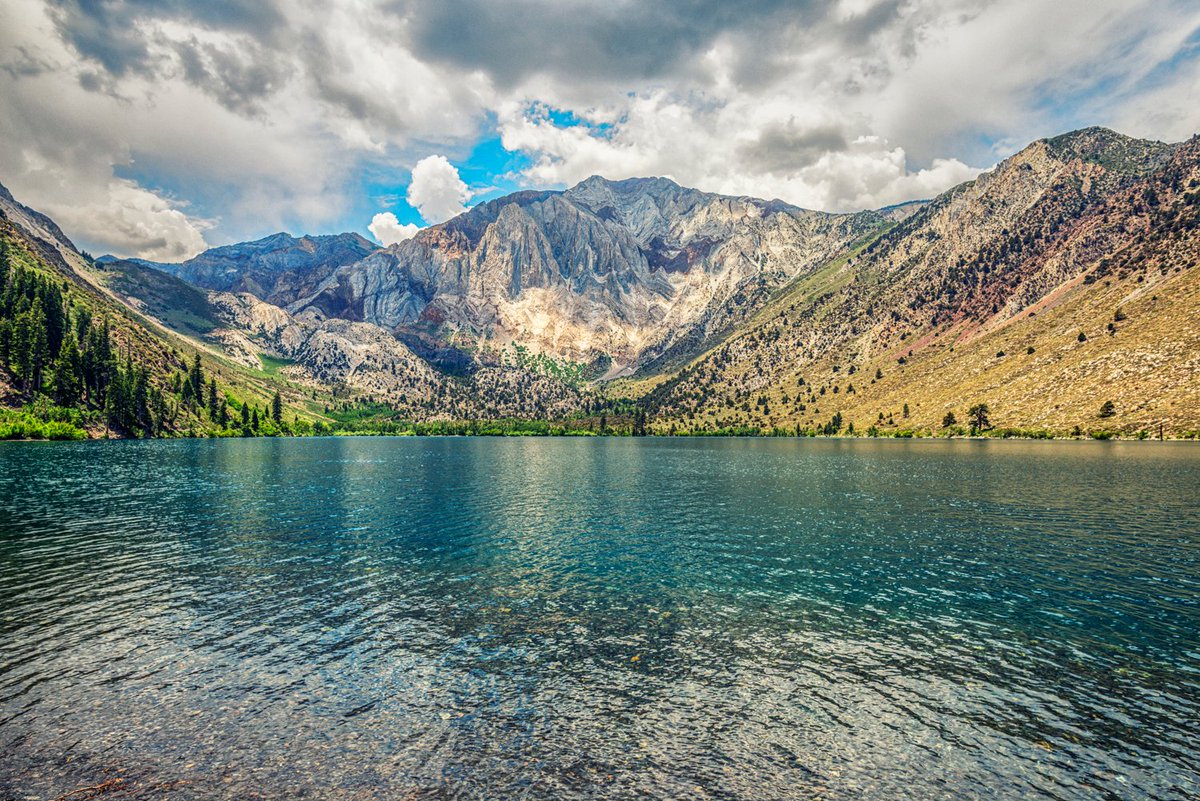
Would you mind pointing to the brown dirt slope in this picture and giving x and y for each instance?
(1070, 236)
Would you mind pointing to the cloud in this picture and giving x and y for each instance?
(388, 230)
(813, 165)
(214, 109)
(228, 119)
(871, 103)
(436, 190)
(589, 42)
(126, 220)
(785, 147)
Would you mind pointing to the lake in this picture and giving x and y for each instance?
(401, 618)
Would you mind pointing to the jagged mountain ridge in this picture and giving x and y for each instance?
(35, 244)
(614, 270)
(1004, 290)
(254, 348)
(725, 303)
(278, 269)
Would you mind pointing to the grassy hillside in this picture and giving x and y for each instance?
(106, 370)
(1064, 279)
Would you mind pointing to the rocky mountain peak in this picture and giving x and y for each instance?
(1109, 149)
(278, 268)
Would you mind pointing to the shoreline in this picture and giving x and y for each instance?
(662, 436)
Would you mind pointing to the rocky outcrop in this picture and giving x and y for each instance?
(365, 360)
(323, 351)
(42, 232)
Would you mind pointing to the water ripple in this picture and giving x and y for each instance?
(553, 619)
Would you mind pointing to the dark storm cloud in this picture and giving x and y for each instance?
(237, 80)
(240, 113)
(107, 31)
(321, 63)
(25, 64)
(858, 30)
(602, 41)
(787, 148)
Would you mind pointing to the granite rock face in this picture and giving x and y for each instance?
(365, 360)
(324, 351)
(612, 270)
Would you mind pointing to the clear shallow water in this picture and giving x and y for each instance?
(732, 619)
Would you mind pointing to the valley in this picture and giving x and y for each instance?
(1059, 290)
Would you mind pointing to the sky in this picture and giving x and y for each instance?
(158, 128)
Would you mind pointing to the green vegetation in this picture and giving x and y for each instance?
(569, 372)
(178, 304)
(72, 373)
(271, 365)
(42, 420)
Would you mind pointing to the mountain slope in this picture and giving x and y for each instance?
(72, 358)
(946, 305)
(605, 271)
(1062, 279)
(278, 269)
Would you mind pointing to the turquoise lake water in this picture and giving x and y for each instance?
(568, 618)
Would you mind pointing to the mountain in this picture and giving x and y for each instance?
(121, 347)
(77, 361)
(1059, 289)
(1062, 279)
(607, 272)
(278, 269)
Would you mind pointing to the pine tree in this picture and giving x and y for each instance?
(196, 378)
(277, 409)
(20, 363)
(83, 323)
(186, 392)
(68, 371)
(99, 364)
(139, 405)
(6, 334)
(56, 316)
(979, 417)
(4, 264)
(116, 401)
(212, 398)
(38, 346)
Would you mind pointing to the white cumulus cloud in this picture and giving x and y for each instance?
(739, 147)
(436, 190)
(388, 230)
